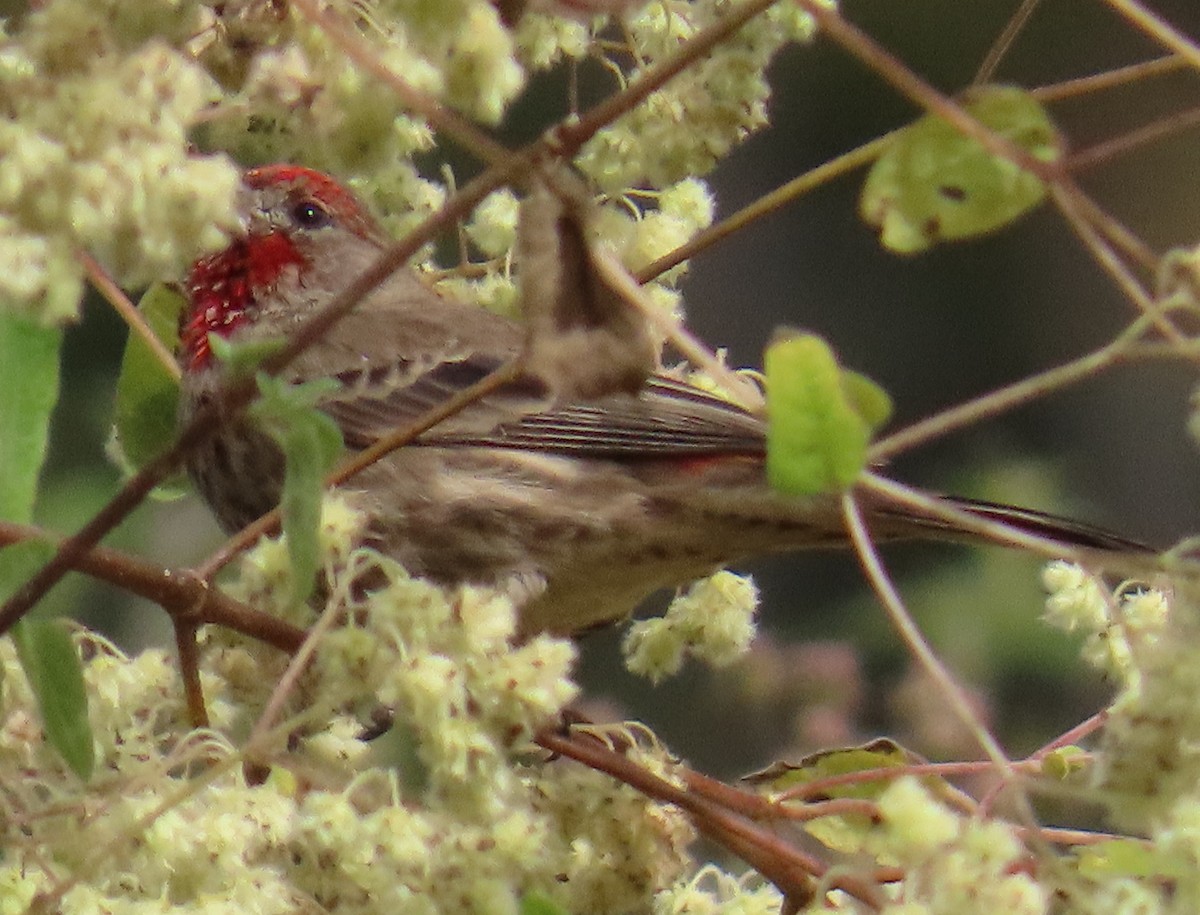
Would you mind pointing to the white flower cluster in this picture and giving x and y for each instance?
(543, 41)
(1149, 640)
(1150, 757)
(170, 821)
(953, 864)
(1116, 624)
(97, 106)
(628, 226)
(711, 891)
(713, 620)
(101, 105)
(686, 126)
(647, 162)
(461, 49)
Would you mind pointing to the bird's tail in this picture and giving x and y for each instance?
(1040, 524)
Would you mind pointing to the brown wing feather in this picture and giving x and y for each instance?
(669, 418)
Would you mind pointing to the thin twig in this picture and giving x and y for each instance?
(1070, 206)
(1079, 731)
(1052, 173)
(1073, 735)
(189, 672)
(996, 402)
(829, 783)
(787, 867)
(571, 136)
(901, 78)
(441, 118)
(1121, 76)
(180, 593)
(767, 204)
(1159, 30)
(744, 392)
(920, 649)
(269, 523)
(1004, 41)
(136, 321)
(1102, 153)
(1067, 193)
(291, 676)
(906, 497)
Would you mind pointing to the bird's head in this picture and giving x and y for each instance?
(303, 236)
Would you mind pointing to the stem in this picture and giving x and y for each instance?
(993, 404)
(766, 205)
(182, 594)
(1104, 152)
(867, 50)
(920, 649)
(787, 867)
(1004, 41)
(1077, 208)
(1159, 30)
(438, 115)
(1109, 79)
(129, 313)
(189, 672)
(573, 136)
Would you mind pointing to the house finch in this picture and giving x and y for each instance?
(579, 510)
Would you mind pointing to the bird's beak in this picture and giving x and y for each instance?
(251, 218)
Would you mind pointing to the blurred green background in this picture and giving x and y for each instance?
(934, 330)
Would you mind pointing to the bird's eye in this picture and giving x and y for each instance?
(308, 214)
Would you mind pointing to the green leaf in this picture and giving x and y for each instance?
(144, 420)
(1129, 858)
(28, 392)
(534, 903)
(846, 832)
(820, 417)
(934, 184)
(243, 357)
(55, 674)
(1065, 762)
(883, 753)
(310, 442)
(29, 386)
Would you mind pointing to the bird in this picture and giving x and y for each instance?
(578, 509)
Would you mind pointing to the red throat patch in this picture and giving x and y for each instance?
(222, 290)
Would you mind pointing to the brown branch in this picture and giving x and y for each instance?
(572, 136)
(765, 205)
(189, 672)
(1121, 76)
(134, 319)
(1104, 152)
(182, 594)
(1158, 29)
(789, 868)
(1072, 207)
(1004, 41)
(438, 115)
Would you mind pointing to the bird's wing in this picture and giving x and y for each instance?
(669, 418)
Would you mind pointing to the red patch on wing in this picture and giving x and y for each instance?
(697, 466)
(222, 289)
